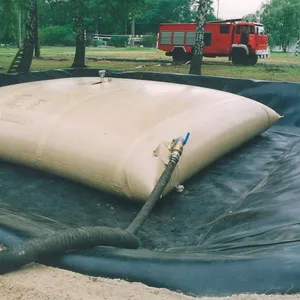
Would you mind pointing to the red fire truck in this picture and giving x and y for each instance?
(243, 42)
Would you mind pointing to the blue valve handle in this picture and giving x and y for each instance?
(186, 138)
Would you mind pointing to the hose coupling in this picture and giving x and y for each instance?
(177, 147)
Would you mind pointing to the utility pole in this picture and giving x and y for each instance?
(218, 9)
(132, 32)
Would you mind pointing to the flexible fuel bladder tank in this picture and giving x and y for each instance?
(114, 135)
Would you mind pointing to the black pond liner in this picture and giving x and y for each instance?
(235, 228)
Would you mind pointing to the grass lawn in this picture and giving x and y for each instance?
(62, 57)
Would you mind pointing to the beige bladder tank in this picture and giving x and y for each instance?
(114, 135)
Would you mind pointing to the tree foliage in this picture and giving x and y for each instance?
(8, 19)
(282, 21)
(252, 17)
(57, 36)
(109, 17)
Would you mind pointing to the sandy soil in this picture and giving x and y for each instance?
(37, 282)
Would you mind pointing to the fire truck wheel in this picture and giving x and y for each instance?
(252, 59)
(179, 55)
(237, 60)
(239, 57)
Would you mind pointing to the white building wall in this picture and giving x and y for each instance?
(289, 49)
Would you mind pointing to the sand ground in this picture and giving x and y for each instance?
(38, 282)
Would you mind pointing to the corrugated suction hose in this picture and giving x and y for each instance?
(39, 249)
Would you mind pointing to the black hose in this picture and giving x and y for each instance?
(144, 213)
(38, 249)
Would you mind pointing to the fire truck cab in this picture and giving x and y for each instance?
(242, 42)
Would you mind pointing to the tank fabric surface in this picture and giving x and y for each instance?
(115, 135)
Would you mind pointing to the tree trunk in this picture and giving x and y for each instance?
(79, 60)
(37, 49)
(30, 30)
(196, 62)
(19, 29)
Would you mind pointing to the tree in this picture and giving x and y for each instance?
(29, 41)
(281, 19)
(37, 48)
(197, 58)
(79, 24)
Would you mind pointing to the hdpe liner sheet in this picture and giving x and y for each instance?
(235, 228)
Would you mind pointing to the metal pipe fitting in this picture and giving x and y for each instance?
(102, 75)
(177, 147)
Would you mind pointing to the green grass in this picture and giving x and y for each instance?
(62, 57)
(66, 52)
(258, 72)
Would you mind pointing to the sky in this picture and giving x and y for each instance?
(236, 8)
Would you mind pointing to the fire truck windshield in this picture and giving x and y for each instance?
(259, 30)
(245, 29)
